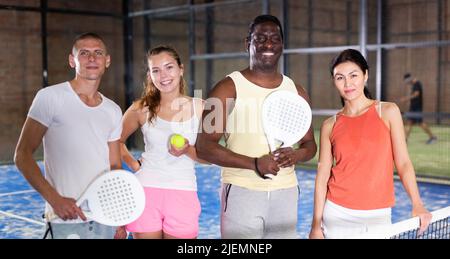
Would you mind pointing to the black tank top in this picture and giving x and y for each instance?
(416, 103)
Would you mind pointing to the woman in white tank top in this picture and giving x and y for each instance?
(166, 172)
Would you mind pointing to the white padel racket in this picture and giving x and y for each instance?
(286, 117)
(115, 198)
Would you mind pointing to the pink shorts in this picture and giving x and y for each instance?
(175, 212)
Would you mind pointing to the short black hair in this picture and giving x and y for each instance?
(262, 19)
(406, 76)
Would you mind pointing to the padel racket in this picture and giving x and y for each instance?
(115, 198)
(286, 117)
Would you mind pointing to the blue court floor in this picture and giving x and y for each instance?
(21, 207)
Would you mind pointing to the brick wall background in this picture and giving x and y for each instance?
(332, 23)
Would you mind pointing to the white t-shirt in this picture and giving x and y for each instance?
(76, 142)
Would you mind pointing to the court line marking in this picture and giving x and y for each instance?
(22, 218)
(14, 193)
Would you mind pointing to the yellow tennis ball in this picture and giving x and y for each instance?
(177, 140)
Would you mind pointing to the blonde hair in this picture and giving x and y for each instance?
(151, 96)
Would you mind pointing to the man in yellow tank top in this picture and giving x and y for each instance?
(252, 205)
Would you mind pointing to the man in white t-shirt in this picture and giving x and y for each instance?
(80, 131)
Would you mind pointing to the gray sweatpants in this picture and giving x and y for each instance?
(248, 214)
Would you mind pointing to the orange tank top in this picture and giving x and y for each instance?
(362, 177)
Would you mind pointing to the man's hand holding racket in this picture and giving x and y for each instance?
(286, 118)
(115, 198)
(266, 165)
(285, 157)
(67, 209)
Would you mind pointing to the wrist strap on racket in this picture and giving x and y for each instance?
(256, 167)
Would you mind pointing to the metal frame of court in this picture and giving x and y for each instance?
(128, 15)
(265, 7)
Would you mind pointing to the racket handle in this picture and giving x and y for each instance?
(49, 216)
(269, 176)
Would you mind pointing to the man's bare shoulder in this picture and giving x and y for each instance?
(224, 88)
(302, 92)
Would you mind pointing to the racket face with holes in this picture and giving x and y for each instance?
(286, 117)
(115, 199)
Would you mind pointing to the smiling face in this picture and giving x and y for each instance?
(164, 72)
(265, 46)
(89, 58)
(350, 80)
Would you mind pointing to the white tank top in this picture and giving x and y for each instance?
(159, 168)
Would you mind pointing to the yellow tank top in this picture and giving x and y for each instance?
(245, 135)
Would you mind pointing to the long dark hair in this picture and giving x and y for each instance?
(354, 56)
(151, 97)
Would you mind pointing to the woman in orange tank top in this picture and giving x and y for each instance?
(359, 146)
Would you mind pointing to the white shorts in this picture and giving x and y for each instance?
(340, 222)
